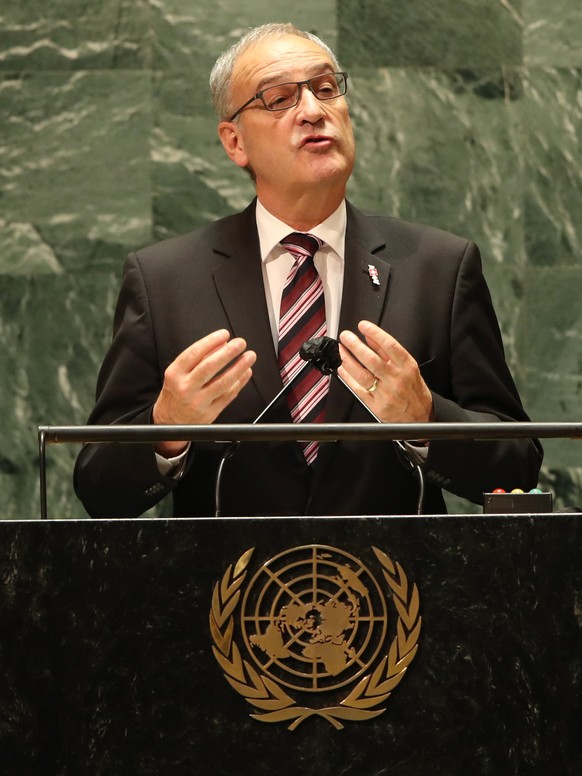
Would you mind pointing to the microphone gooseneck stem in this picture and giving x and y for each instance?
(400, 445)
(217, 483)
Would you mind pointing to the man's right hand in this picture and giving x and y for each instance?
(201, 382)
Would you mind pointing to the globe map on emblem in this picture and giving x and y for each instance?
(314, 618)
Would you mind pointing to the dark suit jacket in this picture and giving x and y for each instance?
(432, 298)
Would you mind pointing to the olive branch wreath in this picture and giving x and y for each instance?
(272, 701)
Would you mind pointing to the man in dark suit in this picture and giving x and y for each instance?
(196, 327)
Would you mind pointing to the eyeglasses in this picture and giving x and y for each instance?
(326, 86)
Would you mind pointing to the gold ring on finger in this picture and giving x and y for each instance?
(374, 385)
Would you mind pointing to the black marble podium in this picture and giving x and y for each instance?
(107, 663)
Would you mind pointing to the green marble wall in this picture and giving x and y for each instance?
(467, 114)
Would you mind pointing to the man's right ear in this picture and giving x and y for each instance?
(231, 139)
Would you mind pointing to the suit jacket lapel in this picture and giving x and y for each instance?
(361, 297)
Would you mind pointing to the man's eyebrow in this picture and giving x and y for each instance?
(284, 78)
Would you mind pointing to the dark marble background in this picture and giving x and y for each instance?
(467, 114)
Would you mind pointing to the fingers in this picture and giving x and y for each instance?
(357, 376)
(370, 359)
(384, 375)
(385, 345)
(216, 354)
(204, 379)
(208, 355)
(226, 385)
(222, 361)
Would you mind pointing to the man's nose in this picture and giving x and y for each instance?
(309, 107)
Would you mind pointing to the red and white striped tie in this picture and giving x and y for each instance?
(302, 317)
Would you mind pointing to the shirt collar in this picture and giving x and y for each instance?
(271, 230)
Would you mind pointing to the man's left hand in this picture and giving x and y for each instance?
(384, 375)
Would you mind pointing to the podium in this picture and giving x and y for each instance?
(234, 646)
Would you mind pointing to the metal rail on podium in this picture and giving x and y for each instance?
(262, 432)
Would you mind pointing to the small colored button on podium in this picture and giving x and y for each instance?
(517, 501)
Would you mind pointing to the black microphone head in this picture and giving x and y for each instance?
(323, 353)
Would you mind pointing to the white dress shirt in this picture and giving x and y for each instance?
(277, 263)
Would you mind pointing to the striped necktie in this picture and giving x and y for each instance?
(302, 317)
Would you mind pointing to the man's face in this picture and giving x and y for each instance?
(289, 151)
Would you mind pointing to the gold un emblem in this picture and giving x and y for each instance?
(310, 634)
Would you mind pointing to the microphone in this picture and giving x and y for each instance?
(323, 353)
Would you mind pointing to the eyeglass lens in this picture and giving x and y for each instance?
(324, 87)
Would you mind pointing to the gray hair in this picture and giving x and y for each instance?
(221, 75)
